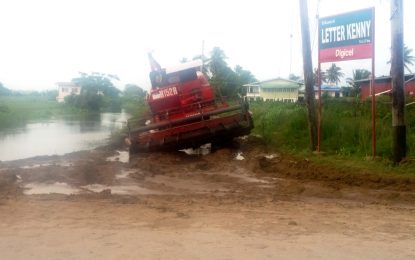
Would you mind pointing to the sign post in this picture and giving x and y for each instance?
(348, 36)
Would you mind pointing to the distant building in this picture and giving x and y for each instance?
(383, 86)
(326, 90)
(66, 89)
(277, 89)
(330, 91)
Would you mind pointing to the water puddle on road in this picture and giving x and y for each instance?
(49, 188)
(124, 174)
(65, 189)
(33, 166)
(121, 189)
(202, 150)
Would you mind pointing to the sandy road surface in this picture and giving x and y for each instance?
(173, 206)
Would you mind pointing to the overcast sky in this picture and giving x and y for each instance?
(46, 41)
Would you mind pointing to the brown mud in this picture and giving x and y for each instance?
(268, 205)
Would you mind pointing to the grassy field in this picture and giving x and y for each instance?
(16, 111)
(346, 132)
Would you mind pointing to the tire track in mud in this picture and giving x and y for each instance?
(264, 204)
(262, 175)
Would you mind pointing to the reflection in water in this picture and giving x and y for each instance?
(90, 123)
(59, 136)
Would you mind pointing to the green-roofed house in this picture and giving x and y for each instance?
(278, 89)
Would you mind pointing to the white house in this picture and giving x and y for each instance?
(66, 89)
(277, 89)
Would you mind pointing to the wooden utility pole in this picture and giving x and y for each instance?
(308, 76)
(397, 74)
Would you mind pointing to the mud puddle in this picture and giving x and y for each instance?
(38, 165)
(262, 174)
(124, 174)
(202, 150)
(65, 189)
(121, 190)
(122, 185)
(50, 188)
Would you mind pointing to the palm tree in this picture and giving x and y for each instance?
(294, 77)
(334, 74)
(323, 76)
(217, 61)
(408, 59)
(357, 75)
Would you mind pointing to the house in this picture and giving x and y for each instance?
(277, 89)
(383, 85)
(329, 90)
(326, 90)
(66, 89)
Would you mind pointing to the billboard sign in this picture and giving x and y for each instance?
(348, 36)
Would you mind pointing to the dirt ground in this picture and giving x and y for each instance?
(243, 202)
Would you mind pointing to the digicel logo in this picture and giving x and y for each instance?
(344, 53)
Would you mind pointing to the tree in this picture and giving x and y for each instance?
(133, 90)
(217, 61)
(97, 83)
(323, 77)
(243, 77)
(133, 100)
(4, 91)
(97, 92)
(334, 74)
(358, 74)
(222, 77)
(408, 58)
(294, 77)
(226, 81)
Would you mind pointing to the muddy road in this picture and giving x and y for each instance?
(242, 202)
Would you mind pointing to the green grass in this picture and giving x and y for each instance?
(281, 124)
(16, 111)
(358, 165)
(346, 132)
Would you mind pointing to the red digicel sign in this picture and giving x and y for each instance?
(348, 36)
